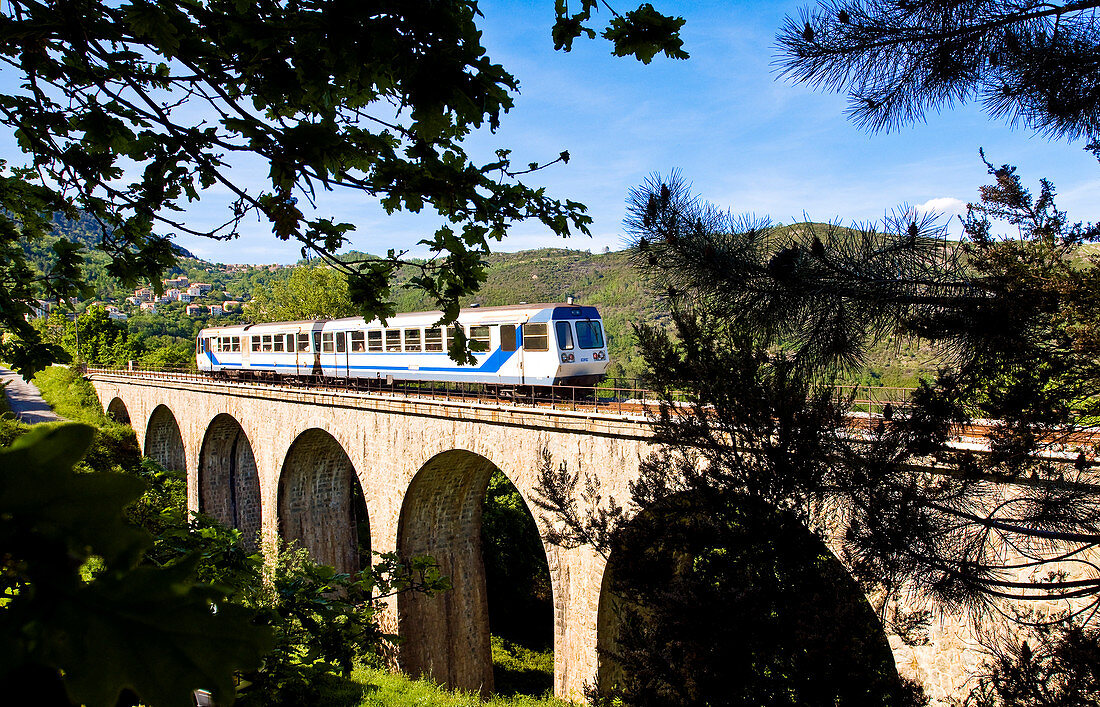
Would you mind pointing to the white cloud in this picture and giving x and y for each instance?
(943, 205)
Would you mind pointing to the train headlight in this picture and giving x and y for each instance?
(568, 358)
(599, 356)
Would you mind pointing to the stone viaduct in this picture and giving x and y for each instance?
(314, 465)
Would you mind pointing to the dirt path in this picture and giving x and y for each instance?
(25, 400)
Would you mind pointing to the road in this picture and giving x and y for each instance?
(25, 400)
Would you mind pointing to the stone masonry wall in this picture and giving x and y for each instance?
(447, 637)
(229, 484)
(315, 500)
(163, 441)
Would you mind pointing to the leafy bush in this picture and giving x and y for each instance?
(123, 626)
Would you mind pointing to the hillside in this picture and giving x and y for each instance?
(605, 280)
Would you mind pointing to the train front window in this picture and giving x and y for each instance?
(478, 338)
(393, 340)
(433, 339)
(358, 342)
(589, 335)
(412, 340)
(535, 337)
(565, 336)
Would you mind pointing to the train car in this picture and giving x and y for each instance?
(523, 345)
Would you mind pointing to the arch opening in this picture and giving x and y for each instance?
(739, 607)
(229, 484)
(163, 440)
(321, 503)
(447, 638)
(519, 592)
(116, 410)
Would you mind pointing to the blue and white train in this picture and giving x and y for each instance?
(523, 345)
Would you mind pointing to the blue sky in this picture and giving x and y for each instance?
(746, 140)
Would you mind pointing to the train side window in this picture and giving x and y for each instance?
(535, 337)
(589, 335)
(266, 343)
(412, 340)
(341, 341)
(358, 341)
(478, 338)
(279, 342)
(255, 343)
(565, 336)
(374, 340)
(290, 342)
(303, 342)
(236, 343)
(393, 340)
(507, 337)
(450, 337)
(327, 344)
(433, 339)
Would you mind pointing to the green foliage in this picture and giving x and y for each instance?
(518, 670)
(641, 33)
(71, 395)
(1059, 667)
(148, 629)
(516, 571)
(384, 689)
(717, 601)
(1029, 63)
(300, 87)
(309, 292)
(93, 339)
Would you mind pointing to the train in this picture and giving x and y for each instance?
(536, 345)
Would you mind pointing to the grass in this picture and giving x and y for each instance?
(378, 688)
(70, 395)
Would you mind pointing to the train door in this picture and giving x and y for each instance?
(509, 343)
(333, 352)
(342, 354)
(303, 359)
(246, 349)
(317, 368)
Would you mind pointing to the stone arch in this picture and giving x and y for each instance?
(446, 637)
(163, 440)
(116, 410)
(320, 502)
(773, 601)
(229, 485)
